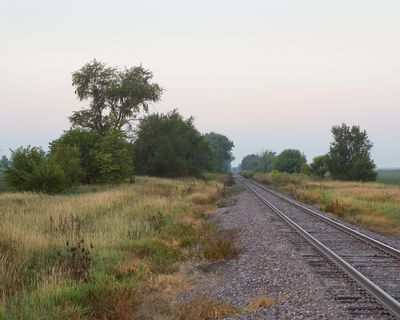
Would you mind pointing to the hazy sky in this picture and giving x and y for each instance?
(268, 74)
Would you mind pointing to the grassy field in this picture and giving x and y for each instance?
(106, 252)
(372, 205)
(389, 176)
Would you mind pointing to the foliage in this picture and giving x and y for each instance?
(115, 96)
(220, 152)
(290, 161)
(31, 170)
(89, 157)
(349, 154)
(266, 160)
(169, 145)
(250, 162)
(319, 166)
(389, 176)
(4, 163)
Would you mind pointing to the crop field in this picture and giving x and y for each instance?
(389, 176)
(105, 252)
(372, 205)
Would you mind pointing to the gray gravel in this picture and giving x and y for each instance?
(275, 262)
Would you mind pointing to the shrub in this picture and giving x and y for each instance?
(31, 170)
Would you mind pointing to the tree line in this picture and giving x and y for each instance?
(114, 137)
(349, 158)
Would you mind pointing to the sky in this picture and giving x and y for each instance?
(268, 74)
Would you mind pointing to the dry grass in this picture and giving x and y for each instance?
(372, 205)
(204, 308)
(140, 234)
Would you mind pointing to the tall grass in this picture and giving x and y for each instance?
(88, 255)
(372, 205)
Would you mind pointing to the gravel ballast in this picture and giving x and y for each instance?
(274, 262)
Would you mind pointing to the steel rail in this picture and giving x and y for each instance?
(376, 243)
(387, 301)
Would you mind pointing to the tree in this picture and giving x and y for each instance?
(250, 162)
(4, 162)
(169, 145)
(31, 170)
(289, 160)
(220, 152)
(266, 160)
(349, 154)
(319, 166)
(89, 157)
(115, 96)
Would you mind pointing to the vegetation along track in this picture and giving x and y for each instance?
(373, 265)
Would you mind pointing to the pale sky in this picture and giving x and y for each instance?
(268, 74)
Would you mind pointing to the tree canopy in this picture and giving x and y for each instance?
(289, 160)
(349, 154)
(169, 145)
(116, 96)
(220, 152)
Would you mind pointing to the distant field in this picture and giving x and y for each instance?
(389, 176)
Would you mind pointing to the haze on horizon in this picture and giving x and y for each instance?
(268, 74)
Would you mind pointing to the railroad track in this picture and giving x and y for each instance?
(373, 265)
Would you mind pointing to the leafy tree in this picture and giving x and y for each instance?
(266, 160)
(220, 152)
(349, 154)
(250, 162)
(319, 166)
(4, 162)
(89, 157)
(169, 145)
(115, 96)
(290, 161)
(31, 170)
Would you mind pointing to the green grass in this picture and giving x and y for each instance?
(389, 176)
(132, 236)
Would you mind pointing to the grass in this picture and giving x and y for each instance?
(389, 176)
(372, 205)
(99, 252)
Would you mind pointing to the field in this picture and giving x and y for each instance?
(106, 252)
(372, 205)
(389, 176)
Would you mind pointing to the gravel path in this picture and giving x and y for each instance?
(278, 263)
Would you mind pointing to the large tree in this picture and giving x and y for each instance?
(115, 96)
(289, 160)
(169, 145)
(220, 152)
(349, 154)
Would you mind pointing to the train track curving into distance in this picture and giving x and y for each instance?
(371, 264)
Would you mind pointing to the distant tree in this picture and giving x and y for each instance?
(220, 156)
(265, 162)
(169, 145)
(31, 170)
(4, 162)
(115, 96)
(250, 162)
(289, 160)
(319, 166)
(349, 154)
(89, 157)
(306, 169)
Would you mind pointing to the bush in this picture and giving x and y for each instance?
(290, 161)
(31, 170)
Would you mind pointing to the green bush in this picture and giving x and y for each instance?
(31, 170)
